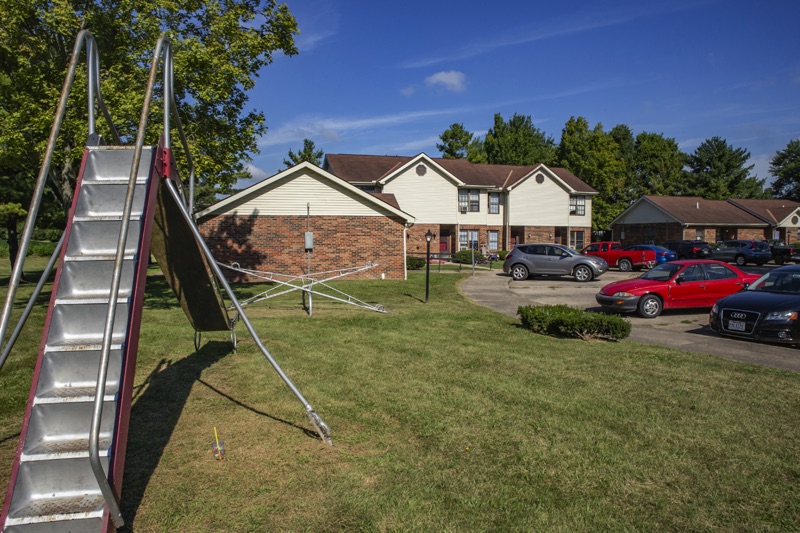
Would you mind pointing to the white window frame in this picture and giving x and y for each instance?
(474, 201)
(493, 240)
(574, 242)
(577, 205)
(494, 203)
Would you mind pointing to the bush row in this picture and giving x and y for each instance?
(414, 263)
(572, 322)
(44, 248)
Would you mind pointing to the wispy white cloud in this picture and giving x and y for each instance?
(408, 91)
(450, 80)
(333, 128)
(317, 20)
(579, 24)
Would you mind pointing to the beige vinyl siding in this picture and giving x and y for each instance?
(430, 199)
(538, 204)
(291, 195)
(645, 213)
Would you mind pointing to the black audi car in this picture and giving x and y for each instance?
(767, 310)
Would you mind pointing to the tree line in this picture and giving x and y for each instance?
(623, 166)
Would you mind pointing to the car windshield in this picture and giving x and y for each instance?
(662, 272)
(661, 249)
(777, 281)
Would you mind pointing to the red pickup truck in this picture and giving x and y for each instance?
(616, 256)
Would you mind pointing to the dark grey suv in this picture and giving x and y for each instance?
(741, 252)
(533, 259)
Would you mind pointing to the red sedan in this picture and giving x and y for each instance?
(675, 285)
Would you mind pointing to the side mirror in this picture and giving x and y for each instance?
(564, 254)
(679, 279)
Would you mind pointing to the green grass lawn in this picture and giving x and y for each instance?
(445, 417)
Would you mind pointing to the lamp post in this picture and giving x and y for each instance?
(428, 237)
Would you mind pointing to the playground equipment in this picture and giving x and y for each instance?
(128, 203)
(286, 283)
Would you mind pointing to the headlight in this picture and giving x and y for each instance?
(715, 309)
(781, 315)
(622, 295)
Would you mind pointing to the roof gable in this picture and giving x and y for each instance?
(776, 212)
(384, 203)
(374, 169)
(696, 211)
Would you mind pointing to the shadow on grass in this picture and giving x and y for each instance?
(158, 403)
(307, 431)
(157, 406)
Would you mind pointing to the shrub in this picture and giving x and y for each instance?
(572, 322)
(465, 256)
(414, 263)
(502, 254)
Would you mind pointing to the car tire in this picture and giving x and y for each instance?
(582, 273)
(740, 260)
(519, 272)
(779, 260)
(650, 306)
(625, 265)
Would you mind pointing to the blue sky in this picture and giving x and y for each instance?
(387, 78)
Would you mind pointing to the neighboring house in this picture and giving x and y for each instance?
(263, 227)
(659, 218)
(468, 205)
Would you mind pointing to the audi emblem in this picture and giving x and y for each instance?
(738, 316)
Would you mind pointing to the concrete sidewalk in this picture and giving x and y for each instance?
(683, 330)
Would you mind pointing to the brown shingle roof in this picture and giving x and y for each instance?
(388, 198)
(773, 211)
(371, 168)
(696, 210)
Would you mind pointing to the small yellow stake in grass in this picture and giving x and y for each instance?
(218, 447)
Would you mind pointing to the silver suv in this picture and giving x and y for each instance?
(742, 252)
(534, 259)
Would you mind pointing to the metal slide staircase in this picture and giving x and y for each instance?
(53, 480)
(67, 474)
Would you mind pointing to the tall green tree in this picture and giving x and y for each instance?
(476, 151)
(719, 171)
(518, 142)
(219, 49)
(785, 166)
(308, 153)
(594, 156)
(657, 166)
(455, 142)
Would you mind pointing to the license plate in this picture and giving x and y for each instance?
(736, 325)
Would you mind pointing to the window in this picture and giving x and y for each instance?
(463, 200)
(577, 205)
(494, 203)
(474, 201)
(715, 271)
(467, 239)
(493, 240)
(700, 234)
(576, 239)
(693, 273)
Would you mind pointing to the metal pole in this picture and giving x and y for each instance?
(428, 270)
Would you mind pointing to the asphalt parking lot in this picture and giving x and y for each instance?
(683, 330)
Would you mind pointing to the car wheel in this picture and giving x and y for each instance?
(779, 260)
(650, 306)
(625, 265)
(583, 273)
(519, 272)
(740, 260)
